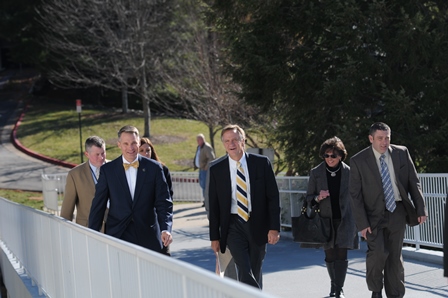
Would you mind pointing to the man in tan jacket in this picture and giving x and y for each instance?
(204, 155)
(81, 181)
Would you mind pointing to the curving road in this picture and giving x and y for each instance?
(18, 170)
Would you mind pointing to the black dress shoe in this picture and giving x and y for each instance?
(377, 295)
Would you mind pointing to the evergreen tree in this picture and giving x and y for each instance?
(335, 67)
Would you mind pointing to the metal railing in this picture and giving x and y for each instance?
(186, 189)
(53, 187)
(64, 259)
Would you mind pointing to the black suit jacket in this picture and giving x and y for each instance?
(265, 214)
(366, 188)
(139, 220)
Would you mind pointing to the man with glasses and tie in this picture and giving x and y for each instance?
(81, 181)
(244, 208)
(141, 209)
(383, 181)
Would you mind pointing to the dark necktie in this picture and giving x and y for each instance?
(387, 185)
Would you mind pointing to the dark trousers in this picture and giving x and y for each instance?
(384, 254)
(247, 254)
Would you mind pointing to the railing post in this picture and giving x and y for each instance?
(417, 237)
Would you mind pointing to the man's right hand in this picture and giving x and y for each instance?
(365, 231)
(215, 245)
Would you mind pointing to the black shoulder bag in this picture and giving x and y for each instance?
(310, 227)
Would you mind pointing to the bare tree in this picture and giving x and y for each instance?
(205, 92)
(115, 44)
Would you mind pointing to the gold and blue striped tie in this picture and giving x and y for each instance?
(241, 193)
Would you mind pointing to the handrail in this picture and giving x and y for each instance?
(64, 259)
(186, 189)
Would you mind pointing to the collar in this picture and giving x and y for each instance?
(242, 160)
(378, 155)
(92, 167)
(125, 161)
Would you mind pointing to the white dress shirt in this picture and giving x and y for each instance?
(131, 177)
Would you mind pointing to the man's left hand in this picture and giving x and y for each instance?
(273, 236)
(166, 238)
(422, 219)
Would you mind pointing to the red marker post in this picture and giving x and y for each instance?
(79, 110)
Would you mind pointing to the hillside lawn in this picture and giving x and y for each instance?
(53, 130)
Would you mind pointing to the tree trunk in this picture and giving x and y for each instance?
(212, 136)
(124, 100)
(147, 116)
(146, 108)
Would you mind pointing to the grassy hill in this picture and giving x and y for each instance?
(52, 129)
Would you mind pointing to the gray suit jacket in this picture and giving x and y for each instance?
(346, 234)
(366, 189)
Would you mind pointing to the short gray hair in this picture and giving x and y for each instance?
(94, 141)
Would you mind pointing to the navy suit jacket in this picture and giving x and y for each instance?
(139, 220)
(264, 194)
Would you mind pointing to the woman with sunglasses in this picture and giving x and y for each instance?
(328, 187)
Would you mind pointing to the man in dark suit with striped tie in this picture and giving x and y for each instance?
(244, 208)
(383, 181)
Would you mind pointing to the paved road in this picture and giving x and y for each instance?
(17, 170)
(291, 271)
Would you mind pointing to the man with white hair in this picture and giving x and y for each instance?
(204, 155)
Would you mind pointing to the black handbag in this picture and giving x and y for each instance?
(310, 227)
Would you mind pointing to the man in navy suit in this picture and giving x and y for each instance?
(141, 209)
(243, 228)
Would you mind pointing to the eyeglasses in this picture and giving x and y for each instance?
(331, 155)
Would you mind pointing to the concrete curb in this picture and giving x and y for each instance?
(29, 152)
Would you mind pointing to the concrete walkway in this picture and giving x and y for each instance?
(18, 170)
(291, 271)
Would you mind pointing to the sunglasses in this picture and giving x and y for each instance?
(330, 155)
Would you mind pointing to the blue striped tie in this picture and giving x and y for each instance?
(387, 185)
(241, 193)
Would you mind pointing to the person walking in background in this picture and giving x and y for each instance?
(381, 177)
(141, 208)
(147, 149)
(328, 187)
(81, 181)
(204, 155)
(244, 207)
